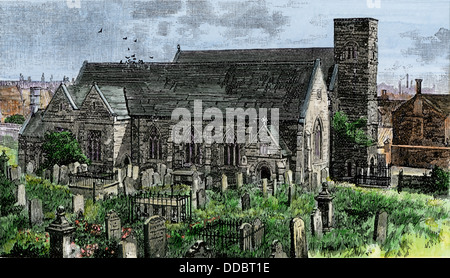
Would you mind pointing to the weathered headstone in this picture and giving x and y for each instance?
(224, 182)
(47, 174)
(245, 201)
(246, 237)
(258, 233)
(199, 250)
(55, 174)
(323, 175)
(163, 170)
(264, 187)
(275, 187)
(21, 195)
(380, 229)
(78, 204)
(128, 248)
(277, 250)
(299, 246)
(155, 237)
(64, 175)
(195, 188)
(316, 223)
(16, 172)
(135, 174)
(84, 167)
(156, 178)
(168, 179)
(201, 198)
(30, 168)
(209, 182)
(239, 180)
(76, 167)
(288, 177)
(113, 226)
(35, 212)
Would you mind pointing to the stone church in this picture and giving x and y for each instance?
(122, 113)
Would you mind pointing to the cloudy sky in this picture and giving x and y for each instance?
(54, 37)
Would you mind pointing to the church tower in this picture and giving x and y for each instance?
(356, 55)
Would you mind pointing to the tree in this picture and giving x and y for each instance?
(62, 148)
(351, 131)
(15, 119)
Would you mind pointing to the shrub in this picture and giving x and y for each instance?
(29, 244)
(51, 195)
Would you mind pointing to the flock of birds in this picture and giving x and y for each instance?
(131, 59)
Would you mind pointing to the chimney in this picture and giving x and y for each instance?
(418, 86)
(407, 80)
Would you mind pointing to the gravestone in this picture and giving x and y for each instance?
(245, 201)
(224, 182)
(55, 174)
(245, 231)
(30, 168)
(264, 187)
(277, 250)
(48, 174)
(299, 246)
(209, 182)
(155, 237)
(258, 233)
(323, 175)
(128, 248)
(316, 223)
(16, 172)
(201, 198)
(288, 177)
(163, 170)
(253, 179)
(239, 180)
(156, 178)
(76, 167)
(380, 229)
(64, 175)
(113, 226)
(78, 204)
(199, 250)
(21, 195)
(135, 174)
(36, 215)
(145, 181)
(194, 190)
(275, 187)
(84, 167)
(168, 179)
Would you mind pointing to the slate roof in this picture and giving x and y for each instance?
(34, 126)
(282, 85)
(325, 54)
(441, 102)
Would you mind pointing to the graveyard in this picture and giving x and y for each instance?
(41, 219)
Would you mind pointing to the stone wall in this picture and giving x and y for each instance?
(420, 156)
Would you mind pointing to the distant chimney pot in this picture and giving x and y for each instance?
(418, 86)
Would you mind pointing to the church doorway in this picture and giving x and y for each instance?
(265, 173)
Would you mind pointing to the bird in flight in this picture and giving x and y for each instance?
(125, 38)
(135, 40)
(101, 30)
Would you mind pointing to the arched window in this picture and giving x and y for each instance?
(94, 147)
(318, 140)
(350, 51)
(193, 151)
(155, 144)
(232, 154)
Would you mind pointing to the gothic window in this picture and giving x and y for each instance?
(155, 144)
(94, 148)
(350, 51)
(232, 154)
(317, 140)
(263, 148)
(193, 151)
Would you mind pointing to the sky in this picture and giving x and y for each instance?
(54, 37)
